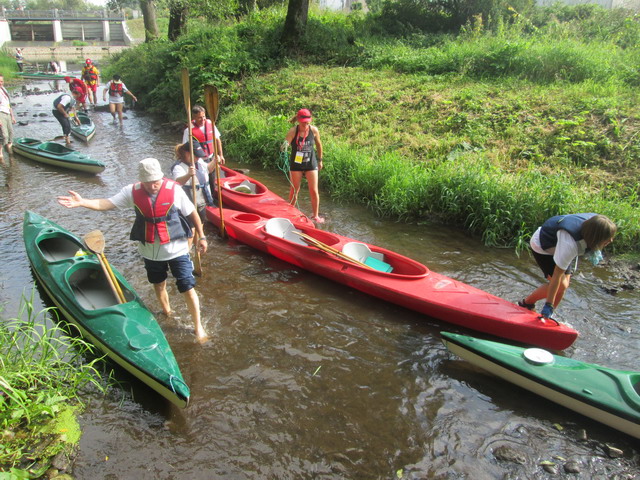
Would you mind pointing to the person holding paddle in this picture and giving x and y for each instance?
(205, 133)
(304, 161)
(183, 170)
(556, 246)
(161, 227)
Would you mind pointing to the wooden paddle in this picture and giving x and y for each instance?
(328, 249)
(211, 101)
(186, 91)
(94, 241)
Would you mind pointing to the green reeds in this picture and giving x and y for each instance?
(42, 373)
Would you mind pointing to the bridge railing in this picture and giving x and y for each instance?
(60, 15)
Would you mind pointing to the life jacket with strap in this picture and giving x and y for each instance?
(205, 138)
(115, 89)
(570, 223)
(202, 176)
(159, 217)
(68, 106)
(90, 74)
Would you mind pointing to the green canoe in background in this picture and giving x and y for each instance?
(42, 75)
(53, 153)
(128, 333)
(606, 395)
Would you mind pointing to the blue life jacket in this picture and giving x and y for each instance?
(570, 223)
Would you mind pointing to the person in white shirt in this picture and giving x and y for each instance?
(556, 246)
(116, 90)
(162, 209)
(7, 119)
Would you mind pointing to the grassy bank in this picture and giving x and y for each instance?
(493, 129)
(42, 374)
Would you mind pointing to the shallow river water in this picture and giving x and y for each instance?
(304, 378)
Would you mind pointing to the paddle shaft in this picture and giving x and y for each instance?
(328, 249)
(113, 278)
(211, 100)
(115, 289)
(186, 91)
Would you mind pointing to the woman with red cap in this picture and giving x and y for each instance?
(305, 160)
(77, 84)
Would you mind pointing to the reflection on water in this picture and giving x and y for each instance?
(304, 378)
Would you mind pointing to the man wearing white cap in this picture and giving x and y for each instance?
(161, 227)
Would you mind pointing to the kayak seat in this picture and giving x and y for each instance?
(243, 187)
(283, 228)
(91, 289)
(362, 253)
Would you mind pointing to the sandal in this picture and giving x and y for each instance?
(528, 306)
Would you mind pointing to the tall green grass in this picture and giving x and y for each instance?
(501, 208)
(42, 372)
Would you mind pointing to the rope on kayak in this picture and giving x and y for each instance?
(171, 379)
(283, 166)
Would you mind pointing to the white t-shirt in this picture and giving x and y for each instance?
(5, 102)
(181, 170)
(116, 98)
(155, 251)
(565, 251)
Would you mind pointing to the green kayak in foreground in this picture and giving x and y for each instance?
(53, 153)
(606, 395)
(128, 333)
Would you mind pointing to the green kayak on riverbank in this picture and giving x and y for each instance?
(42, 75)
(127, 333)
(53, 153)
(86, 130)
(606, 395)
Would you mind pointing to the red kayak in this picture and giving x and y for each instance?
(240, 192)
(392, 277)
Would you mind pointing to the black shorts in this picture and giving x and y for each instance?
(547, 265)
(181, 269)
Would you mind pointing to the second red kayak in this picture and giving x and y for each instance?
(247, 194)
(392, 277)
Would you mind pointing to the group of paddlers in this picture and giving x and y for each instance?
(166, 218)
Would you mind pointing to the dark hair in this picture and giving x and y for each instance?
(597, 230)
(116, 78)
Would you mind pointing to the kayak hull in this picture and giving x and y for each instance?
(86, 130)
(127, 333)
(42, 75)
(603, 394)
(410, 284)
(52, 153)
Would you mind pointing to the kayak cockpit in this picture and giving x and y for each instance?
(245, 187)
(373, 258)
(88, 283)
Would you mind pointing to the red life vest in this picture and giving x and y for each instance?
(206, 138)
(90, 75)
(160, 217)
(115, 88)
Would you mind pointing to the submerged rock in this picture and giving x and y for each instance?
(506, 453)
